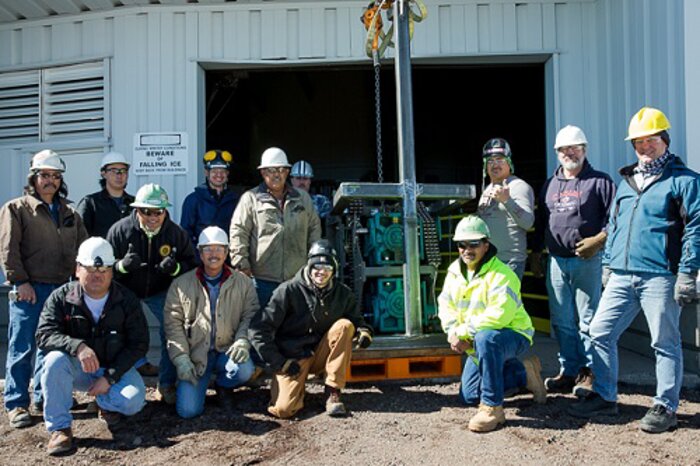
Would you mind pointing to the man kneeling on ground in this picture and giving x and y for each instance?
(207, 313)
(482, 313)
(307, 328)
(93, 332)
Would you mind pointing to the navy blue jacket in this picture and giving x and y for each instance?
(656, 230)
(572, 209)
(203, 209)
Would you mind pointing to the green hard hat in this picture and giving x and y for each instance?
(152, 196)
(471, 228)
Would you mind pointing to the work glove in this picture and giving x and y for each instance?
(131, 262)
(291, 367)
(185, 369)
(589, 247)
(536, 264)
(169, 265)
(239, 352)
(685, 291)
(606, 275)
(364, 337)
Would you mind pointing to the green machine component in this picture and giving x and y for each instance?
(386, 243)
(387, 302)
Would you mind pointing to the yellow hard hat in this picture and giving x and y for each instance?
(646, 122)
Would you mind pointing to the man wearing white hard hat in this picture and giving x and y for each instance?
(39, 238)
(573, 211)
(92, 331)
(207, 314)
(273, 227)
(301, 175)
(102, 209)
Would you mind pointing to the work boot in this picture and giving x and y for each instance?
(108, 417)
(19, 417)
(37, 408)
(148, 370)
(167, 395)
(560, 384)
(658, 419)
(487, 418)
(334, 407)
(584, 383)
(224, 397)
(592, 406)
(534, 383)
(61, 441)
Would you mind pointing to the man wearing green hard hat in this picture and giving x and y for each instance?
(152, 250)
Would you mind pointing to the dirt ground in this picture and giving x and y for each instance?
(391, 423)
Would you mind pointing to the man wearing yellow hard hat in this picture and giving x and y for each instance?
(651, 260)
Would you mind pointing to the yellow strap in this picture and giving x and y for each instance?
(385, 39)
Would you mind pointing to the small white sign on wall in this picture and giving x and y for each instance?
(160, 154)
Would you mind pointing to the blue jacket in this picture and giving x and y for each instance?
(202, 209)
(656, 230)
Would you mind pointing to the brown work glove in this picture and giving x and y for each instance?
(589, 247)
(536, 264)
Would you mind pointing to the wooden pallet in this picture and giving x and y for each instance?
(404, 368)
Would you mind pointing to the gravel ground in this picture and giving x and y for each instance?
(391, 423)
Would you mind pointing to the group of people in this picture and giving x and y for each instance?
(247, 282)
(612, 252)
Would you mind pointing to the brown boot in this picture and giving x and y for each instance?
(110, 418)
(534, 383)
(167, 395)
(61, 441)
(148, 370)
(584, 383)
(334, 407)
(487, 419)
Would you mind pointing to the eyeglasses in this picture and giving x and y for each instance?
(492, 161)
(151, 212)
(98, 269)
(323, 267)
(212, 248)
(650, 140)
(117, 171)
(211, 155)
(575, 148)
(475, 243)
(53, 176)
(274, 170)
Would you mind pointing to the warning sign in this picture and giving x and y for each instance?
(160, 154)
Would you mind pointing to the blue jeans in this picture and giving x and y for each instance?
(497, 369)
(167, 375)
(63, 373)
(623, 298)
(21, 349)
(518, 267)
(574, 287)
(264, 288)
(190, 398)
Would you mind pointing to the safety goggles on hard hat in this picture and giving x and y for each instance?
(475, 243)
(211, 155)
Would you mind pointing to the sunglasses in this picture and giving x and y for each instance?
(211, 155)
(52, 176)
(117, 171)
(274, 170)
(323, 267)
(475, 243)
(151, 212)
(574, 148)
(98, 269)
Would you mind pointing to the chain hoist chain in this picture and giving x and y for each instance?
(378, 115)
(431, 241)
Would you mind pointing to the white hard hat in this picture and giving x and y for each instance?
(212, 235)
(302, 169)
(113, 157)
(47, 160)
(570, 135)
(95, 251)
(273, 157)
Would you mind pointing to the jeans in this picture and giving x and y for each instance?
(63, 373)
(622, 300)
(167, 375)
(190, 398)
(518, 267)
(574, 287)
(21, 349)
(497, 369)
(264, 288)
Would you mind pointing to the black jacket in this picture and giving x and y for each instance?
(170, 240)
(119, 338)
(100, 212)
(296, 319)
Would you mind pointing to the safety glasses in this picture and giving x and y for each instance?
(210, 248)
(323, 267)
(475, 243)
(98, 269)
(117, 171)
(650, 140)
(274, 170)
(151, 212)
(211, 155)
(52, 176)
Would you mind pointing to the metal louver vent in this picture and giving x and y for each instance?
(19, 107)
